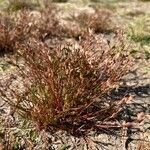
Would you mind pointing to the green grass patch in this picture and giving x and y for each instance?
(139, 30)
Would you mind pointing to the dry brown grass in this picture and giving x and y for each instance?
(8, 35)
(99, 21)
(13, 30)
(17, 29)
(64, 84)
(45, 24)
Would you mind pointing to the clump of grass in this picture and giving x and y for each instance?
(49, 25)
(62, 83)
(15, 5)
(5, 36)
(16, 29)
(45, 24)
(100, 21)
(140, 30)
(13, 30)
(9, 34)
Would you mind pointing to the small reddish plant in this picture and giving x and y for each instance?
(100, 21)
(45, 24)
(17, 29)
(6, 41)
(13, 29)
(64, 85)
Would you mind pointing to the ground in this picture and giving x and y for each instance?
(134, 18)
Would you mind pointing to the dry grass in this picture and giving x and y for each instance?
(13, 30)
(15, 5)
(8, 35)
(17, 29)
(63, 82)
(97, 22)
(45, 24)
(100, 21)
